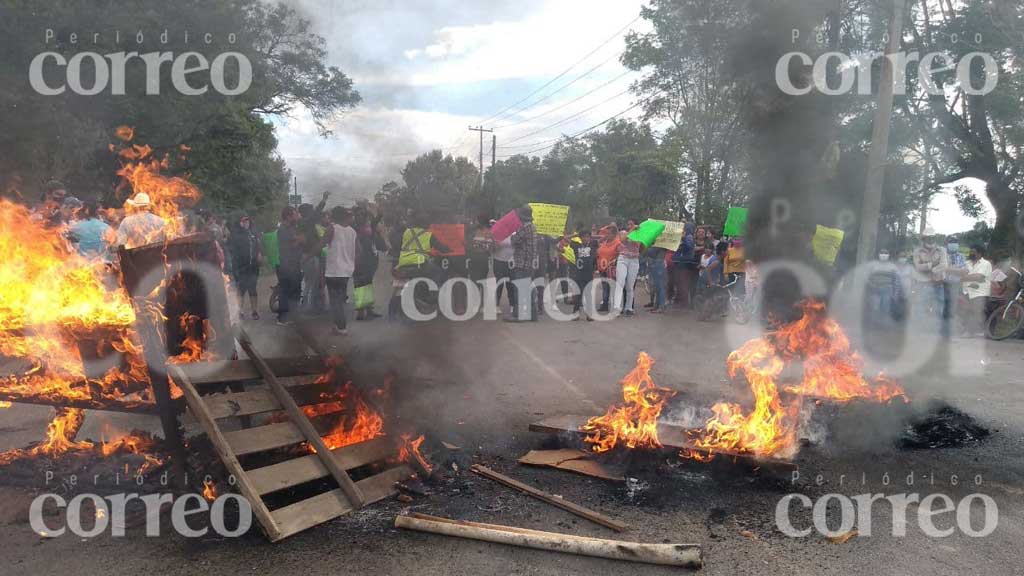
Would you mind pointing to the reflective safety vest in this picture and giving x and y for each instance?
(415, 247)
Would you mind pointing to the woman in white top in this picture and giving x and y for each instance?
(340, 264)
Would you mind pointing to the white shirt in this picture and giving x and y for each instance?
(503, 251)
(341, 253)
(983, 287)
(140, 229)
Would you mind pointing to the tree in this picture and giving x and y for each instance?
(437, 187)
(688, 82)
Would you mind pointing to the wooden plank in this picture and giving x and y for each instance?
(543, 496)
(329, 505)
(254, 401)
(86, 404)
(231, 371)
(263, 438)
(306, 468)
(671, 437)
(223, 448)
(298, 417)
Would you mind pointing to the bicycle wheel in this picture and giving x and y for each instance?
(275, 299)
(1005, 321)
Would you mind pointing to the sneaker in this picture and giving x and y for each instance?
(255, 315)
(285, 323)
(628, 313)
(339, 331)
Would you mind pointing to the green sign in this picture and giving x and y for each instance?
(270, 251)
(736, 222)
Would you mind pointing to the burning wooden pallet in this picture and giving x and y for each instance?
(257, 483)
(671, 437)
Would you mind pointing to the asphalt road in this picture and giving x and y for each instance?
(480, 384)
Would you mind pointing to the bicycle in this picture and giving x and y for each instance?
(715, 300)
(1007, 320)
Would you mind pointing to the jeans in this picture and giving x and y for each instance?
(312, 290)
(626, 270)
(656, 269)
(524, 301)
(503, 275)
(289, 284)
(337, 289)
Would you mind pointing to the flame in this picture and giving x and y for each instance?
(357, 421)
(635, 421)
(209, 490)
(410, 449)
(830, 370)
(4, 404)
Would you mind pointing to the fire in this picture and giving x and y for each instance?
(410, 450)
(635, 421)
(209, 490)
(830, 370)
(359, 423)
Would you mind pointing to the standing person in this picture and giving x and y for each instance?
(977, 287)
(883, 287)
(584, 269)
(340, 240)
(91, 233)
(502, 257)
(526, 264)
(930, 263)
(607, 258)
(312, 257)
(627, 267)
(735, 264)
(48, 209)
(246, 251)
(370, 241)
(656, 268)
(140, 226)
(684, 263)
(289, 270)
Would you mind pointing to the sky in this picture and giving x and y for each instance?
(532, 70)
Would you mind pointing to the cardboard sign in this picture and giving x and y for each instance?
(826, 243)
(451, 235)
(647, 232)
(505, 227)
(672, 235)
(736, 222)
(270, 249)
(550, 219)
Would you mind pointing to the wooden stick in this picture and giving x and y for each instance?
(549, 498)
(298, 417)
(688, 555)
(227, 455)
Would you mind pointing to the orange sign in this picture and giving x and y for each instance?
(451, 235)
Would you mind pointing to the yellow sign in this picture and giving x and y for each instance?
(550, 219)
(826, 243)
(672, 235)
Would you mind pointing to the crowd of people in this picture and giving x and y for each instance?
(320, 256)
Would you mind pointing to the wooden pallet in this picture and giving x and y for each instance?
(671, 437)
(274, 396)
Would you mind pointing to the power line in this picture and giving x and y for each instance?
(529, 105)
(584, 131)
(564, 72)
(567, 119)
(569, 103)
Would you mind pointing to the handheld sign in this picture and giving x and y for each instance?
(672, 235)
(826, 243)
(647, 232)
(504, 228)
(550, 219)
(451, 235)
(736, 222)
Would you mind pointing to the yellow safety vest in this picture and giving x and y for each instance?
(415, 247)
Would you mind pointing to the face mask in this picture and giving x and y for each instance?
(883, 257)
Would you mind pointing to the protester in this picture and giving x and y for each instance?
(883, 290)
(246, 252)
(526, 266)
(656, 269)
(140, 226)
(977, 287)
(607, 261)
(627, 268)
(502, 256)
(370, 241)
(91, 234)
(684, 267)
(48, 209)
(290, 248)
(312, 257)
(734, 264)
(930, 263)
(340, 241)
(584, 269)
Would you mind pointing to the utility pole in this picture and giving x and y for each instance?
(872, 206)
(481, 130)
(494, 149)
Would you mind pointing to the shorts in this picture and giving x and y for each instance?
(246, 283)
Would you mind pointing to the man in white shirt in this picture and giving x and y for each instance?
(977, 287)
(340, 240)
(140, 227)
